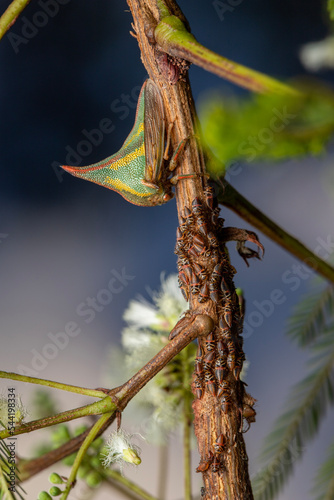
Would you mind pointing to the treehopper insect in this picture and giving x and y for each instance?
(138, 171)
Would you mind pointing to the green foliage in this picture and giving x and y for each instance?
(305, 410)
(60, 435)
(312, 325)
(97, 444)
(330, 7)
(88, 472)
(6, 476)
(311, 315)
(93, 479)
(267, 127)
(79, 430)
(43, 404)
(83, 471)
(324, 481)
(69, 461)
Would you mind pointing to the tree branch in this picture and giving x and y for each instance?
(188, 328)
(202, 262)
(228, 196)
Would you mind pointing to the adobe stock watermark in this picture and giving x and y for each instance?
(225, 7)
(93, 138)
(87, 309)
(292, 279)
(30, 27)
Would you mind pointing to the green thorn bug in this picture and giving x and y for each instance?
(138, 171)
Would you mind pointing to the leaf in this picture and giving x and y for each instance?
(305, 410)
(324, 481)
(267, 127)
(311, 315)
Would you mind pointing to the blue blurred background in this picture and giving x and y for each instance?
(75, 69)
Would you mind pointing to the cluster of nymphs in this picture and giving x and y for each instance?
(206, 274)
(214, 459)
(198, 250)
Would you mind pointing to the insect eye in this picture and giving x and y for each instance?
(167, 197)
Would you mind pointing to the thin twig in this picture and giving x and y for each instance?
(105, 405)
(190, 329)
(124, 484)
(10, 15)
(94, 431)
(95, 393)
(174, 38)
(231, 198)
(29, 468)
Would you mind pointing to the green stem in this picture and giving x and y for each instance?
(129, 485)
(229, 197)
(29, 468)
(81, 453)
(99, 407)
(163, 9)
(55, 385)
(173, 37)
(8, 18)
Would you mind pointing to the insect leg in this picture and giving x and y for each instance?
(174, 180)
(170, 126)
(178, 150)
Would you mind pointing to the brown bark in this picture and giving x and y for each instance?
(219, 403)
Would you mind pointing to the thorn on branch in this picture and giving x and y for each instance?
(241, 236)
(194, 325)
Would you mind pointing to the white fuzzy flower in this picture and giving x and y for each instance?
(147, 332)
(9, 415)
(120, 450)
(140, 314)
(133, 341)
(170, 301)
(317, 55)
(140, 346)
(161, 316)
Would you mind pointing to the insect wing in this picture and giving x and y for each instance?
(154, 130)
